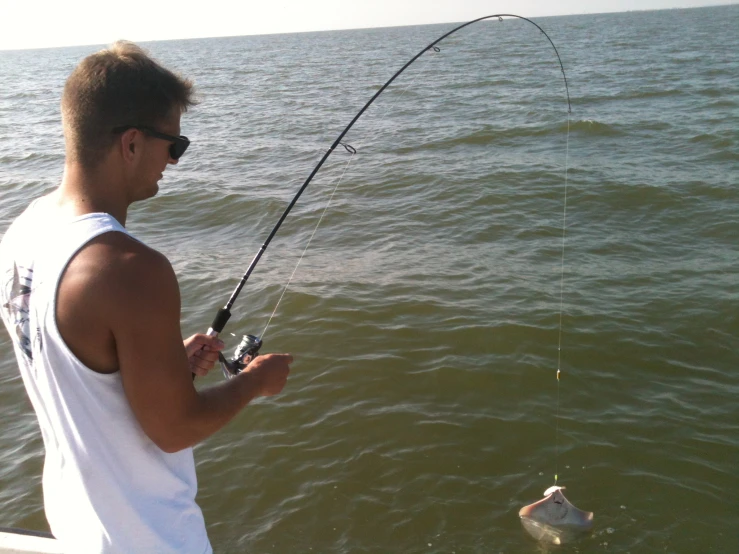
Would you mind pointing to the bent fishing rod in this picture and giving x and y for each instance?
(250, 344)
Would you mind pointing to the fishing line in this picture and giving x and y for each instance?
(561, 303)
(352, 151)
(320, 219)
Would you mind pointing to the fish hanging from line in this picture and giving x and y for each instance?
(553, 519)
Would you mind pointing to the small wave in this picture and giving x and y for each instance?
(720, 230)
(712, 92)
(482, 137)
(630, 95)
(28, 157)
(718, 72)
(651, 94)
(595, 99)
(480, 84)
(654, 126)
(595, 128)
(713, 140)
(709, 191)
(685, 60)
(723, 103)
(21, 95)
(488, 136)
(723, 156)
(621, 196)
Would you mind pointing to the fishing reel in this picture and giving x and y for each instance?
(245, 352)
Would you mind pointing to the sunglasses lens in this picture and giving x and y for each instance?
(177, 148)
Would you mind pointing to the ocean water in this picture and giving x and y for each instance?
(423, 409)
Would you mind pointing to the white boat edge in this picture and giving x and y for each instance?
(20, 541)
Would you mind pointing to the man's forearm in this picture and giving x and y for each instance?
(211, 410)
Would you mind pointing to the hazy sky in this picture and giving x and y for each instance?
(42, 23)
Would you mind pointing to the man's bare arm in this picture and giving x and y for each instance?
(144, 317)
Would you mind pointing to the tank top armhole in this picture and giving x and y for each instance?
(51, 323)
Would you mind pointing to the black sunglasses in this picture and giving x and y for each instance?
(176, 149)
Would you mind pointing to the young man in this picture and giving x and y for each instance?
(95, 319)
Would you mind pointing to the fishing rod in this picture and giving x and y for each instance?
(249, 347)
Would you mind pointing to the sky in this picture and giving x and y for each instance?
(50, 23)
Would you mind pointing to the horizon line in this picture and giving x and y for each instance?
(141, 41)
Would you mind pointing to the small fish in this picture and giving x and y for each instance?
(554, 519)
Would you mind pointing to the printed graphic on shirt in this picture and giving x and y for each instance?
(15, 295)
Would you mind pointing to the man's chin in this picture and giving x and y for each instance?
(149, 193)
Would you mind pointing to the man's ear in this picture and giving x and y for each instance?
(128, 143)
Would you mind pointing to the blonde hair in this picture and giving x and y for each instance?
(117, 86)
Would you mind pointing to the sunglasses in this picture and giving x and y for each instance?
(176, 149)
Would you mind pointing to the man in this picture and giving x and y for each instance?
(94, 316)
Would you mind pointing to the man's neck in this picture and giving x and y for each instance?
(84, 191)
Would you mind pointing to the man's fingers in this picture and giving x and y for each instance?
(201, 366)
(199, 371)
(202, 352)
(213, 343)
(285, 358)
(201, 341)
(206, 355)
(271, 372)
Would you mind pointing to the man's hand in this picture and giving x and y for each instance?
(268, 373)
(202, 352)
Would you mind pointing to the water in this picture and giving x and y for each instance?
(421, 412)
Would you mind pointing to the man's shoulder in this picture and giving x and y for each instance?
(117, 265)
(115, 252)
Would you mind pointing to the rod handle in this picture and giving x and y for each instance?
(219, 322)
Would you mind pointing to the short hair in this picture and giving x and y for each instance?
(118, 86)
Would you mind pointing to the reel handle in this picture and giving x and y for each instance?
(245, 352)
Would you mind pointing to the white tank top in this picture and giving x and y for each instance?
(107, 487)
